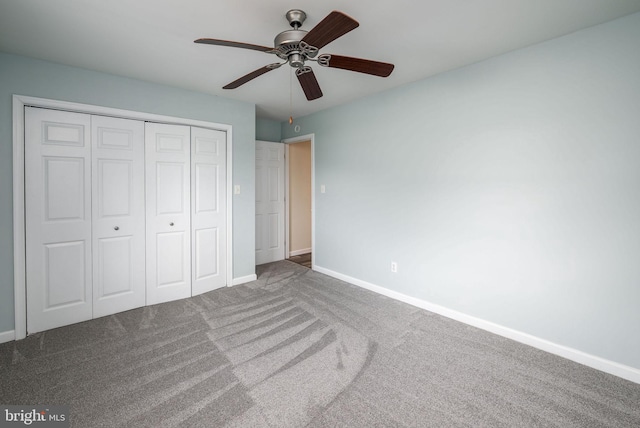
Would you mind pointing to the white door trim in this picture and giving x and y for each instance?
(287, 207)
(300, 139)
(19, 245)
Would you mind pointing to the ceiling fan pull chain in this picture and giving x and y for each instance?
(291, 97)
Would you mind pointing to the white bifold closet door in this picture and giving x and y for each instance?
(117, 214)
(186, 211)
(168, 163)
(84, 217)
(58, 218)
(208, 210)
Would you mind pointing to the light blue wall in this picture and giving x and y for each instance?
(24, 76)
(508, 190)
(268, 130)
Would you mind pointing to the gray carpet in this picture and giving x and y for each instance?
(299, 349)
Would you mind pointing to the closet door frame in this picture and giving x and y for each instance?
(19, 244)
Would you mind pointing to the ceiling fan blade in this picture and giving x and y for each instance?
(376, 68)
(309, 83)
(334, 25)
(230, 44)
(248, 77)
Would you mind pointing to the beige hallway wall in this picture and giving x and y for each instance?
(300, 197)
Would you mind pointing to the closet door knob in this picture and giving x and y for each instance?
(116, 228)
(171, 224)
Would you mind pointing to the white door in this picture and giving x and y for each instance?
(208, 210)
(58, 218)
(269, 202)
(168, 228)
(118, 215)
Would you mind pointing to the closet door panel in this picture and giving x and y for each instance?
(208, 209)
(118, 215)
(168, 227)
(170, 255)
(116, 270)
(58, 218)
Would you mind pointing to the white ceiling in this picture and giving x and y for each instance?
(153, 39)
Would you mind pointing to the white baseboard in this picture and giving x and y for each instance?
(299, 252)
(7, 336)
(244, 279)
(598, 363)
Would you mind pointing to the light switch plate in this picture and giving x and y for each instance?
(322, 188)
(236, 189)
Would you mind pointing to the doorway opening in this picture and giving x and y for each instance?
(299, 177)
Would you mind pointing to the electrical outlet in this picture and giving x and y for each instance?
(394, 267)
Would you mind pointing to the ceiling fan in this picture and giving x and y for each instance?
(296, 47)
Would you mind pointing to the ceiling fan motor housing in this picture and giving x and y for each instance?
(288, 40)
(287, 46)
